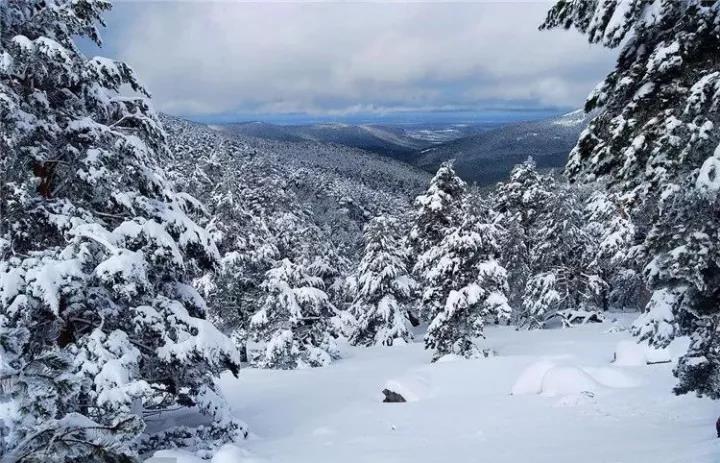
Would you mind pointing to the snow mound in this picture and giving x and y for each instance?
(612, 377)
(567, 380)
(447, 358)
(631, 354)
(531, 379)
(412, 388)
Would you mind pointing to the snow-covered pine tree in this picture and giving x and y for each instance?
(331, 267)
(234, 291)
(437, 210)
(685, 275)
(562, 264)
(295, 320)
(520, 202)
(465, 284)
(99, 327)
(609, 226)
(384, 287)
(656, 135)
(524, 194)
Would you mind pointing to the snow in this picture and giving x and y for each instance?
(571, 119)
(630, 353)
(226, 454)
(47, 279)
(618, 23)
(612, 377)
(559, 381)
(207, 340)
(665, 57)
(498, 409)
(530, 380)
(545, 377)
(174, 456)
(413, 388)
(128, 267)
(709, 175)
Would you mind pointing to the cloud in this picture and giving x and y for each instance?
(204, 58)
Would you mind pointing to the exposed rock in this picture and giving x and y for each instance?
(392, 397)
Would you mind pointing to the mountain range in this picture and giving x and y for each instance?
(484, 152)
(488, 156)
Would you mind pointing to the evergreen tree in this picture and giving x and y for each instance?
(465, 285)
(655, 137)
(520, 202)
(438, 210)
(564, 277)
(99, 326)
(608, 224)
(686, 279)
(294, 321)
(384, 288)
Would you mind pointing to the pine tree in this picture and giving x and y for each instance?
(608, 224)
(437, 213)
(438, 210)
(465, 285)
(384, 287)
(99, 326)
(524, 194)
(562, 264)
(686, 279)
(654, 139)
(520, 202)
(294, 321)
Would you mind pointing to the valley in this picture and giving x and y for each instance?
(484, 152)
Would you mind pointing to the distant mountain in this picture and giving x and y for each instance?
(484, 152)
(401, 142)
(489, 156)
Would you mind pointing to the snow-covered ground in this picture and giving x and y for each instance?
(571, 404)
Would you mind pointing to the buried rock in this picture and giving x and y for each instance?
(392, 397)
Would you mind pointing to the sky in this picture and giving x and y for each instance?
(234, 61)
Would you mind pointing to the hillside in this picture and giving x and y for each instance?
(401, 141)
(336, 188)
(489, 156)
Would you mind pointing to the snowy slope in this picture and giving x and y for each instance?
(463, 411)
